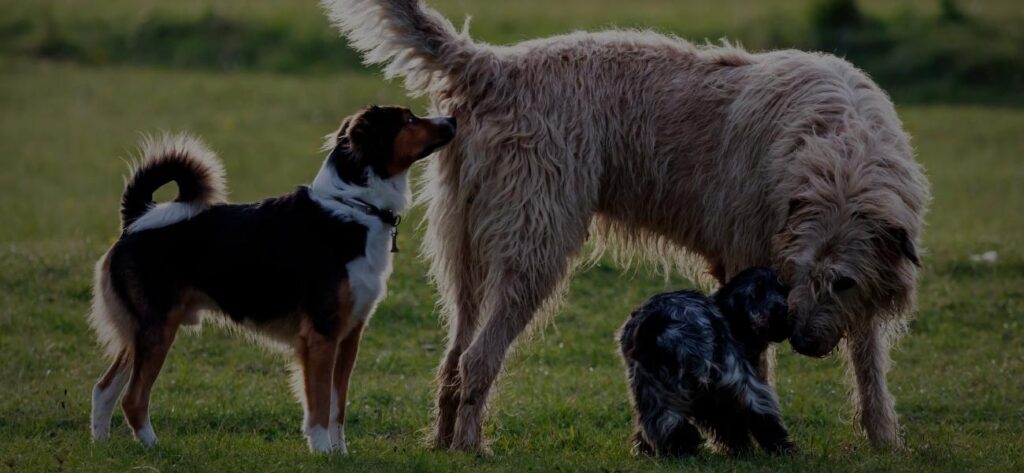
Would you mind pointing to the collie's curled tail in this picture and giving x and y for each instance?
(183, 159)
(411, 39)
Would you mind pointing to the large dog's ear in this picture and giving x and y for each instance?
(906, 245)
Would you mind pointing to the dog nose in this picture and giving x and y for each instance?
(812, 348)
(451, 124)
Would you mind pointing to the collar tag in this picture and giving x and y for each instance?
(388, 216)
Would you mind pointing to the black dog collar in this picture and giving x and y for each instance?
(388, 216)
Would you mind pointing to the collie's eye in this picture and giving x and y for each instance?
(410, 120)
(843, 284)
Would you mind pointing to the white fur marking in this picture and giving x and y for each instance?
(146, 434)
(369, 273)
(319, 439)
(103, 402)
(164, 214)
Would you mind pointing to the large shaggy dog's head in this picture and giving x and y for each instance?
(849, 249)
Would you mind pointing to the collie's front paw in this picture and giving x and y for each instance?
(338, 439)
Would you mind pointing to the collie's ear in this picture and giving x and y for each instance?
(343, 129)
(338, 137)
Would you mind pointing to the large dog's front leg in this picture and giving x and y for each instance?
(867, 354)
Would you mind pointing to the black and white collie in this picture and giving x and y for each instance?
(690, 362)
(304, 270)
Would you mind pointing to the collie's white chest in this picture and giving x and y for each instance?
(368, 274)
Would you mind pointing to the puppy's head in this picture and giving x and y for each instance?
(754, 303)
(385, 141)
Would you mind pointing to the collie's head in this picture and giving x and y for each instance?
(383, 142)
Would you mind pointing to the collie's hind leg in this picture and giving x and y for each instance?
(106, 392)
(151, 348)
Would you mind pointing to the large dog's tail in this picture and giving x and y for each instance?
(183, 159)
(411, 39)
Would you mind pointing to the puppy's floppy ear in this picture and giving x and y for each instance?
(645, 336)
(906, 245)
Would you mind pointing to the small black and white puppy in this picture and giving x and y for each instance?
(304, 270)
(691, 362)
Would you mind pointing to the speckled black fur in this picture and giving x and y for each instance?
(691, 364)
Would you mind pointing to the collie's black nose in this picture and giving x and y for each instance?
(450, 126)
(446, 127)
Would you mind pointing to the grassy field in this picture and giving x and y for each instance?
(223, 404)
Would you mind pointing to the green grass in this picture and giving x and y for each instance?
(906, 46)
(223, 404)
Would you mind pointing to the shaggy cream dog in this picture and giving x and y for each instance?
(719, 158)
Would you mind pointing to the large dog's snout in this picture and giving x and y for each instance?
(810, 347)
(813, 336)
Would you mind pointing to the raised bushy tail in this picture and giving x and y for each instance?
(183, 159)
(409, 38)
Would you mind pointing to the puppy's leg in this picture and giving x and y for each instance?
(343, 366)
(770, 433)
(317, 354)
(666, 434)
(867, 356)
(640, 445)
(730, 429)
(659, 430)
(106, 392)
(763, 417)
(151, 348)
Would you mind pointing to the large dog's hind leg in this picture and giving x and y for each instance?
(867, 354)
(512, 300)
(462, 319)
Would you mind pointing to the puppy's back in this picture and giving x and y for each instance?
(673, 331)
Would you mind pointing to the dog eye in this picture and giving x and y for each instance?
(843, 284)
(410, 120)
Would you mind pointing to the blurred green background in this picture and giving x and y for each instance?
(264, 80)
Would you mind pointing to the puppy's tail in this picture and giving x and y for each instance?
(183, 159)
(411, 39)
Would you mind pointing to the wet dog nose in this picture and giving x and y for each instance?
(446, 126)
(812, 348)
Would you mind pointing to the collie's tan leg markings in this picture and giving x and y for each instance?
(151, 350)
(343, 367)
(106, 392)
(316, 358)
